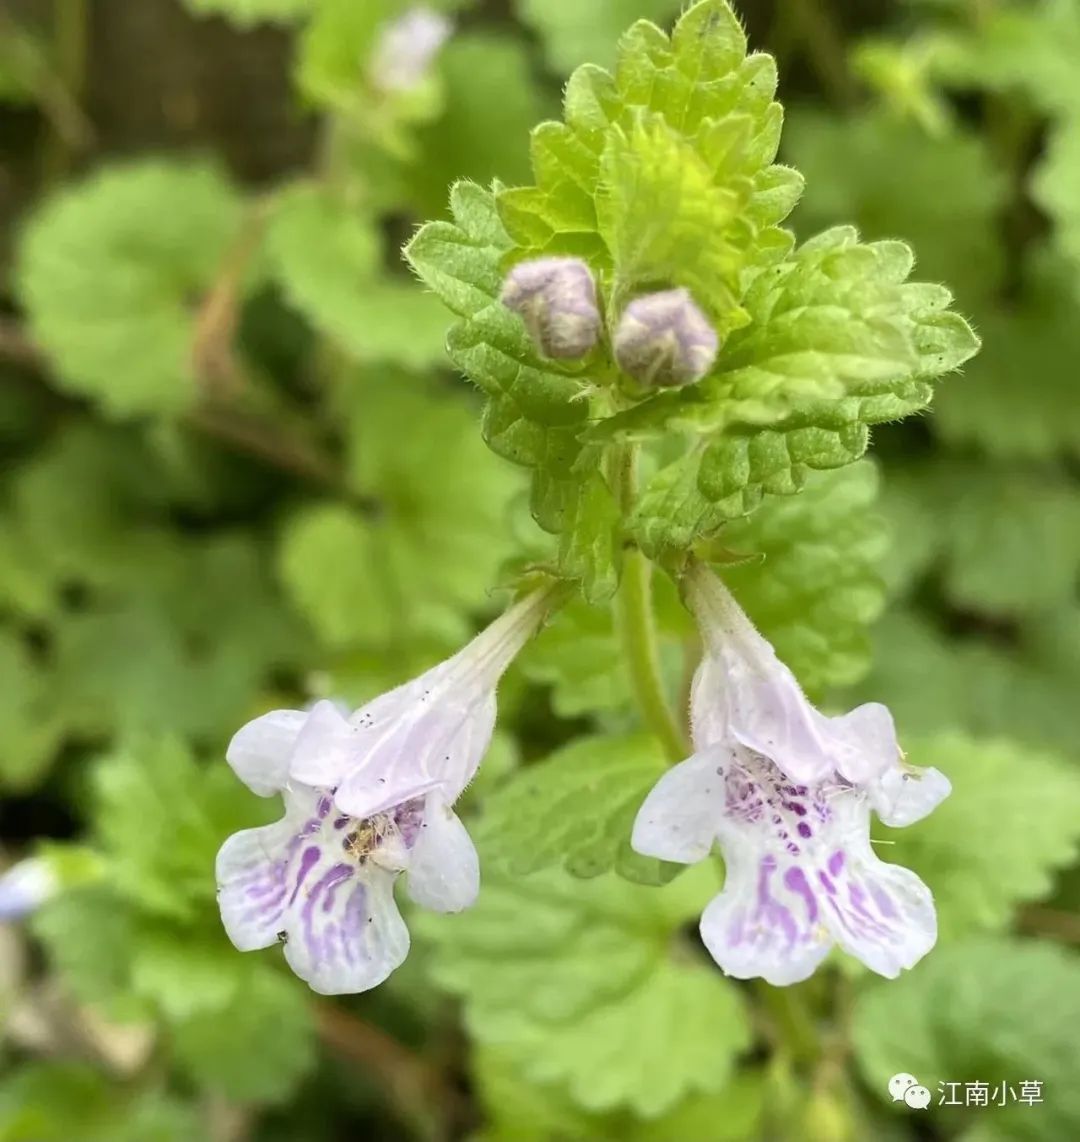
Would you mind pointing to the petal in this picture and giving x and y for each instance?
(325, 747)
(905, 794)
(881, 913)
(864, 742)
(766, 922)
(252, 870)
(259, 752)
(678, 819)
(444, 870)
(345, 933)
(436, 745)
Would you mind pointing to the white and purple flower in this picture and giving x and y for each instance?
(787, 793)
(367, 797)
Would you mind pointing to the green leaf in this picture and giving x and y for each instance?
(965, 1015)
(576, 809)
(574, 33)
(817, 586)
(1012, 819)
(560, 975)
(533, 416)
(108, 270)
(245, 13)
(837, 341)
(161, 818)
(1054, 188)
(327, 256)
(258, 1049)
(687, 126)
(1037, 335)
(429, 548)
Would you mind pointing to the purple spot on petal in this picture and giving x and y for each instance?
(836, 862)
(805, 830)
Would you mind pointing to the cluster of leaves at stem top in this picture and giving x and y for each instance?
(662, 175)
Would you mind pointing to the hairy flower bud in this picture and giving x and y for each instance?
(664, 339)
(556, 298)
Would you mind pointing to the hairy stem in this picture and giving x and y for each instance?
(636, 624)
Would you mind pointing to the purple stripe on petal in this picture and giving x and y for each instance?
(308, 861)
(795, 880)
(884, 902)
(836, 862)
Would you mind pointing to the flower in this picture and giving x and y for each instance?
(407, 48)
(664, 339)
(367, 797)
(787, 792)
(556, 298)
(25, 886)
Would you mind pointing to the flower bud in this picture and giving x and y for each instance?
(556, 298)
(664, 339)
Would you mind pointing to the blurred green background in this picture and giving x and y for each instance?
(238, 473)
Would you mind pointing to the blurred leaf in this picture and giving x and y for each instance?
(491, 103)
(521, 1112)
(428, 549)
(576, 809)
(1022, 691)
(327, 256)
(110, 270)
(1055, 188)
(256, 1050)
(65, 1101)
(574, 33)
(1029, 48)
(560, 975)
(1038, 337)
(245, 13)
(1013, 818)
(943, 194)
(89, 935)
(31, 726)
(161, 818)
(967, 1014)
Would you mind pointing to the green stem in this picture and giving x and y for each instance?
(794, 1023)
(636, 624)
